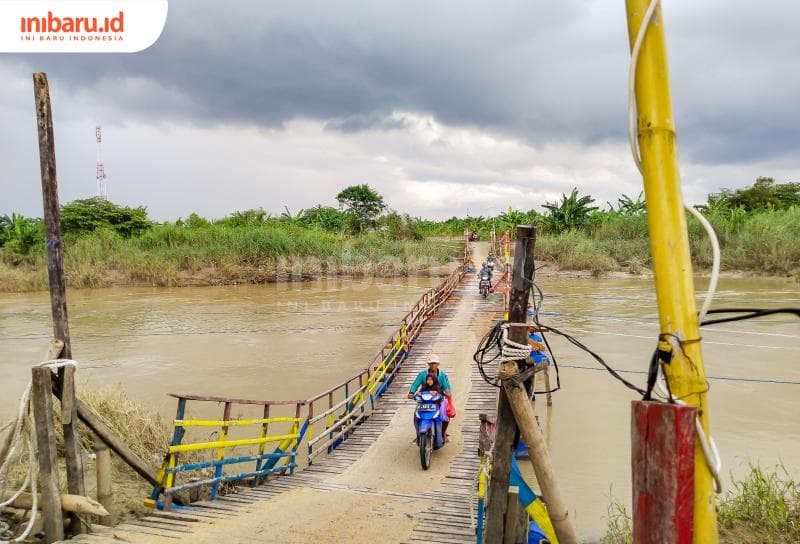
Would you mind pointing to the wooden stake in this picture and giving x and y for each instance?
(103, 468)
(506, 427)
(58, 289)
(42, 401)
(512, 515)
(547, 385)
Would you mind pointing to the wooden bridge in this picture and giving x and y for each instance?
(360, 480)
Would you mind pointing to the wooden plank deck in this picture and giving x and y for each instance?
(449, 516)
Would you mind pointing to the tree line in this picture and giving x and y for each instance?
(361, 209)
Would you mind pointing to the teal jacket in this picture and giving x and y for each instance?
(444, 381)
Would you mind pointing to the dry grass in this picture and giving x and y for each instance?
(138, 426)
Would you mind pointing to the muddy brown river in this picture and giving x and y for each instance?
(293, 340)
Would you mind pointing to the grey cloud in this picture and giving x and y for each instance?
(532, 70)
(543, 73)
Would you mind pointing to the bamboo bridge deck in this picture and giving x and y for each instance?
(444, 513)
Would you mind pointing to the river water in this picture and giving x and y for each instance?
(292, 340)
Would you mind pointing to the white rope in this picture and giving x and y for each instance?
(707, 444)
(709, 447)
(715, 266)
(23, 441)
(510, 350)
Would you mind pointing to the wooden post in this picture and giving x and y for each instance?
(103, 468)
(547, 385)
(506, 427)
(512, 515)
(662, 463)
(42, 400)
(58, 289)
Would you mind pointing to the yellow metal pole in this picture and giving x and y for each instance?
(669, 242)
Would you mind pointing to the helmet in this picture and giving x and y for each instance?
(433, 359)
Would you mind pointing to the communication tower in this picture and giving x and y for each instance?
(102, 190)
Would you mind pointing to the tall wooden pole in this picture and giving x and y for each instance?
(58, 290)
(506, 430)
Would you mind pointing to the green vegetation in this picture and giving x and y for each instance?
(106, 244)
(758, 229)
(762, 507)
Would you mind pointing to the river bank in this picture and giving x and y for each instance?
(438, 263)
(229, 257)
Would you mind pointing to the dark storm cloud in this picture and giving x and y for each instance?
(537, 71)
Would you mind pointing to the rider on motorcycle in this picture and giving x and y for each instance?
(443, 383)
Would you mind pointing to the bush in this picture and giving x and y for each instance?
(88, 215)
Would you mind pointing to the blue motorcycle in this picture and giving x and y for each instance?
(428, 421)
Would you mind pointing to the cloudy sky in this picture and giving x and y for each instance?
(444, 107)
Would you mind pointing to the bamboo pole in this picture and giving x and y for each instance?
(58, 289)
(669, 243)
(42, 401)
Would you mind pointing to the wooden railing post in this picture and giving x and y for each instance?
(42, 400)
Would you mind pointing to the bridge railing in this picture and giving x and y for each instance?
(199, 463)
(321, 422)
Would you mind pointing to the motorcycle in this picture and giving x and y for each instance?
(485, 284)
(428, 422)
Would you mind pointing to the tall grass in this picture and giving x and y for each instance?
(763, 242)
(763, 507)
(171, 255)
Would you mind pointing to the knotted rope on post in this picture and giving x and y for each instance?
(20, 441)
(510, 350)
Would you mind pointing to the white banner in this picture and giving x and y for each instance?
(80, 26)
